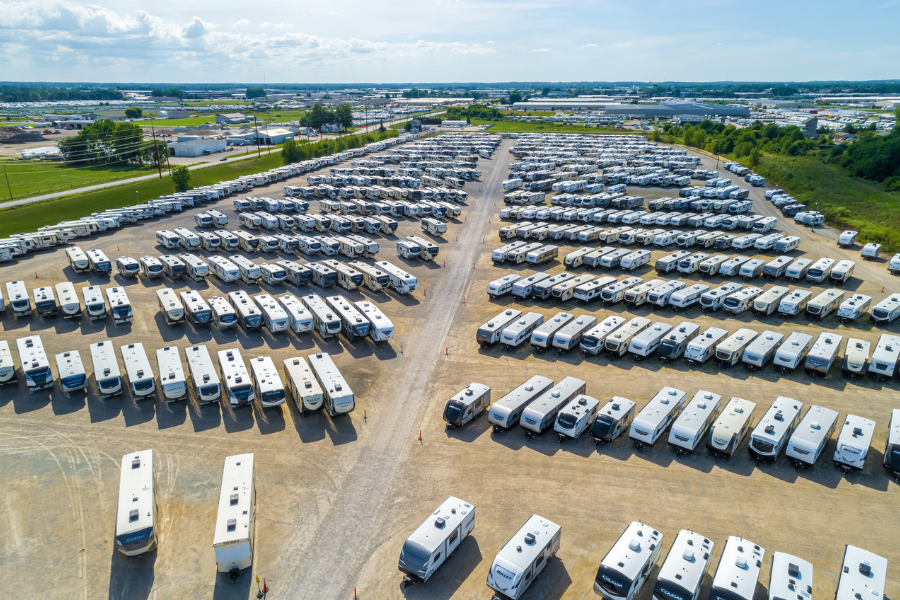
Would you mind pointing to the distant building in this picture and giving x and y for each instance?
(888, 104)
(332, 128)
(178, 114)
(275, 136)
(194, 148)
(668, 109)
(782, 104)
(232, 118)
(843, 138)
(458, 124)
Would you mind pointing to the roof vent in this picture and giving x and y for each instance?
(635, 545)
(133, 516)
(135, 462)
(857, 431)
(529, 539)
(233, 499)
(793, 570)
(779, 416)
(741, 562)
(815, 425)
(865, 568)
(770, 429)
(518, 548)
(439, 523)
(688, 555)
(469, 392)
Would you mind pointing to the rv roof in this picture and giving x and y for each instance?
(441, 523)
(632, 550)
(687, 560)
(235, 500)
(528, 542)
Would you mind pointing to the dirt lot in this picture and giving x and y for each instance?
(336, 498)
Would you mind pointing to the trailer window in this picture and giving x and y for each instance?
(454, 536)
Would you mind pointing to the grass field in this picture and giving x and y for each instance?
(34, 179)
(280, 116)
(29, 217)
(846, 202)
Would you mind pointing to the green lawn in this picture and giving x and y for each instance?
(846, 202)
(29, 217)
(36, 178)
(280, 116)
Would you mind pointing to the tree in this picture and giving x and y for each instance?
(154, 153)
(849, 128)
(134, 112)
(255, 92)
(344, 115)
(408, 126)
(381, 128)
(754, 158)
(515, 97)
(545, 92)
(104, 142)
(290, 152)
(182, 178)
(169, 93)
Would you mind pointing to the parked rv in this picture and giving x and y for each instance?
(729, 430)
(771, 434)
(811, 436)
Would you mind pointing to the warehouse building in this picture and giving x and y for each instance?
(667, 109)
(231, 118)
(194, 148)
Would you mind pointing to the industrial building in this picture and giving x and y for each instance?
(197, 147)
(669, 109)
(232, 118)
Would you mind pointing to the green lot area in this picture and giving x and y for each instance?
(29, 217)
(847, 202)
(279, 116)
(36, 178)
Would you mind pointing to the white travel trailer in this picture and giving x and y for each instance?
(684, 570)
(768, 302)
(825, 303)
(524, 557)
(326, 321)
(576, 417)
(249, 315)
(612, 420)
(544, 289)
(541, 254)
(106, 369)
(234, 538)
(489, 333)
(136, 518)
(853, 443)
(691, 264)
(730, 351)
(711, 265)
(648, 341)
(197, 310)
(502, 286)
(235, 378)
(794, 303)
(592, 289)
(72, 376)
(506, 412)
(188, 239)
(887, 310)
(786, 244)
(170, 306)
(300, 317)
(762, 350)
(353, 324)
(715, 298)
(729, 430)
(94, 303)
(626, 568)
(119, 305)
(636, 259)
(892, 447)
(823, 354)
(269, 388)
(871, 251)
(522, 288)
(842, 271)
(173, 266)
(401, 281)
(304, 387)
(702, 348)
(676, 342)
(339, 399)
(429, 250)
(752, 269)
(436, 540)
(542, 336)
(172, 382)
(140, 375)
(798, 269)
(204, 379)
(574, 259)
(127, 266)
(294, 272)
(741, 301)
(17, 296)
(521, 330)
(811, 436)
(687, 297)
(565, 291)
(195, 267)
(593, 340)
(230, 241)
(78, 260)
(167, 239)
(501, 255)
(654, 419)
(44, 301)
(856, 358)
(151, 267)
(774, 429)
(540, 414)
(380, 327)
(223, 314)
(847, 238)
(275, 318)
(738, 571)
(691, 426)
(854, 307)
(793, 351)
(884, 358)
(570, 335)
(669, 262)
(615, 292)
(374, 278)
(820, 270)
(249, 271)
(616, 343)
(862, 574)
(467, 405)
(248, 242)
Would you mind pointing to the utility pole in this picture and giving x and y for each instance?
(256, 128)
(7, 182)
(156, 149)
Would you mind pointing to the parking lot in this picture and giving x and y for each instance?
(336, 498)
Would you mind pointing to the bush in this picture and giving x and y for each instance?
(134, 112)
(181, 176)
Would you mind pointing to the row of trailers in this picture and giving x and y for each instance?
(538, 406)
(328, 316)
(138, 519)
(614, 336)
(626, 569)
(312, 386)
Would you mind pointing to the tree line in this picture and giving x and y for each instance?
(871, 156)
(473, 111)
(10, 93)
(294, 151)
(319, 115)
(109, 143)
(748, 142)
(167, 93)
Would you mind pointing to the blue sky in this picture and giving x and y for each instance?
(448, 40)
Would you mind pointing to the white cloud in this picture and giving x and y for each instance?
(268, 25)
(490, 42)
(589, 46)
(542, 50)
(241, 23)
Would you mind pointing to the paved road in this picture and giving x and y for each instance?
(109, 184)
(347, 536)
